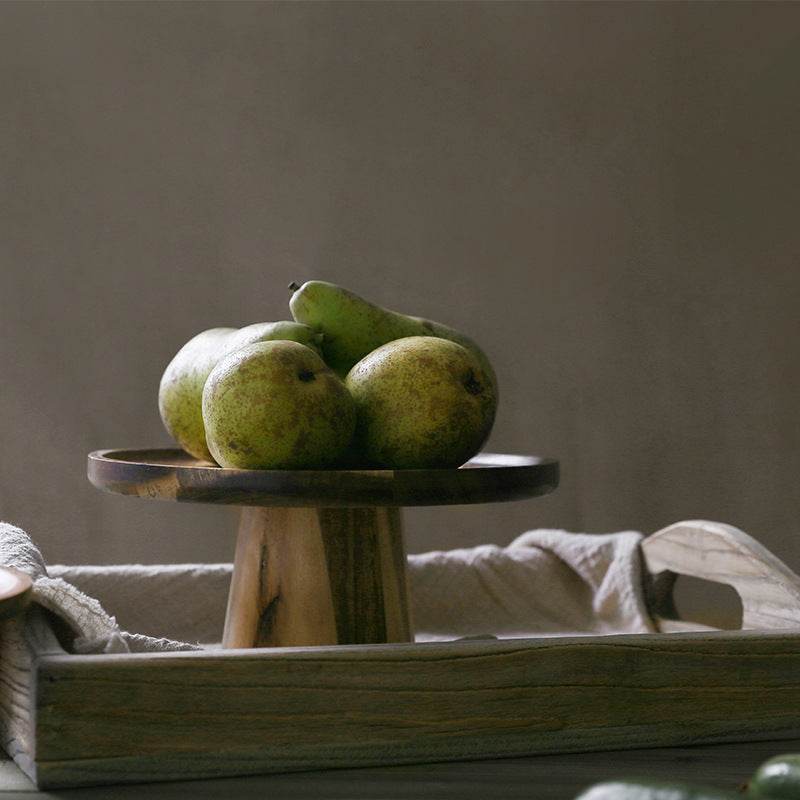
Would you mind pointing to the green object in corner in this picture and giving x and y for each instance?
(653, 790)
(777, 778)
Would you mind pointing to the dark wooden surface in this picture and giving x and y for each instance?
(174, 475)
(548, 777)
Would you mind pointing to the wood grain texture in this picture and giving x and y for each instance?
(175, 476)
(102, 719)
(325, 576)
(23, 640)
(713, 551)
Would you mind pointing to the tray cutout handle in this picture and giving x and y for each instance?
(714, 551)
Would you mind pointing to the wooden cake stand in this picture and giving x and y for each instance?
(320, 557)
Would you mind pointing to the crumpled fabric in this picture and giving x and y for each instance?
(545, 583)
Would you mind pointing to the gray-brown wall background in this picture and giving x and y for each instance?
(605, 195)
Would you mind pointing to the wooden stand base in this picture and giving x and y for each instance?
(318, 576)
(320, 558)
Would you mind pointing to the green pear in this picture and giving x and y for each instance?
(352, 327)
(180, 391)
(276, 405)
(421, 402)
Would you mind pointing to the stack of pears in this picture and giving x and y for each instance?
(345, 384)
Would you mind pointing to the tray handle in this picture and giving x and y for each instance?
(713, 551)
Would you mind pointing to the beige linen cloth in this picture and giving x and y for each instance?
(546, 582)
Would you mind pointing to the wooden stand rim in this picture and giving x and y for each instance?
(170, 474)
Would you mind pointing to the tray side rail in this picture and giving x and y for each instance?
(139, 718)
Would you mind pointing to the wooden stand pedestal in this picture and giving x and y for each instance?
(318, 576)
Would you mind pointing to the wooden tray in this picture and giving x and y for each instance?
(81, 720)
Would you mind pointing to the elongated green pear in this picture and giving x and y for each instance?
(180, 392)
(352, 327)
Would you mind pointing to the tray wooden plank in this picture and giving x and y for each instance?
(137, 718)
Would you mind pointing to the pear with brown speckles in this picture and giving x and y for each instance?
(276, 405)
(421, 402)
(180, 391)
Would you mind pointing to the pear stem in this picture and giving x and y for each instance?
(294, 286)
